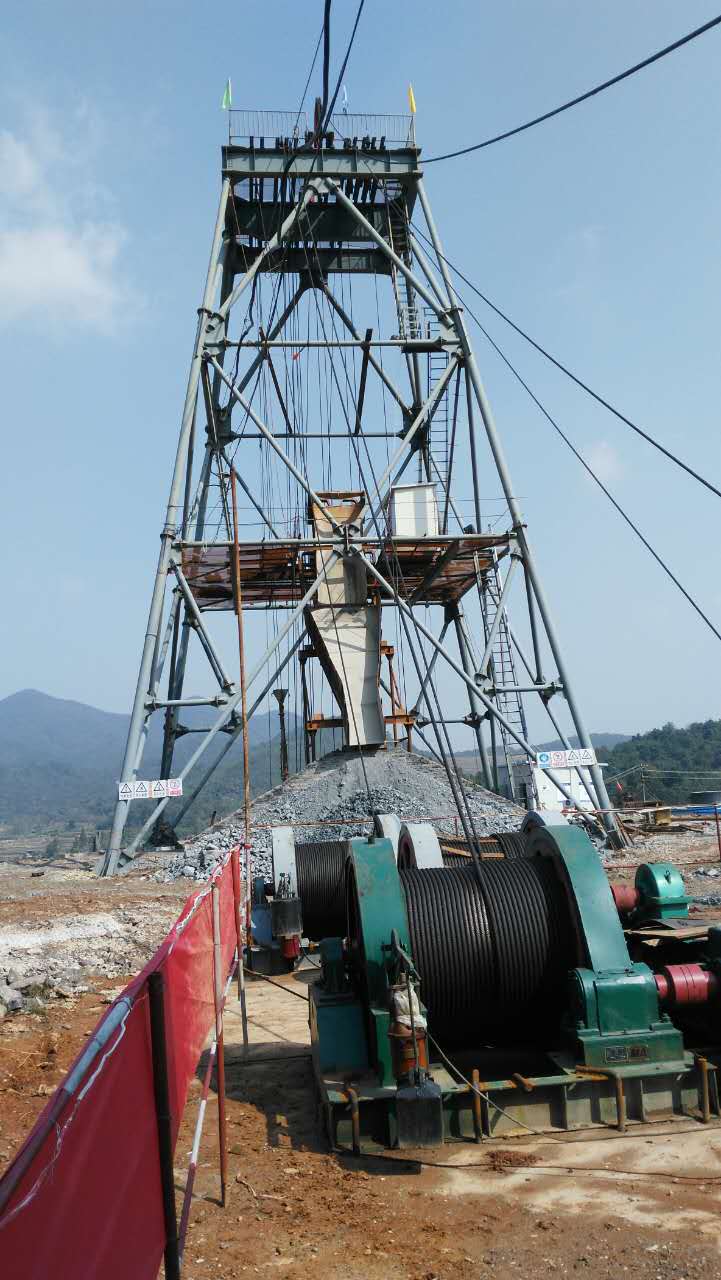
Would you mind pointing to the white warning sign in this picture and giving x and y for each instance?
(572, 759)
(153, 789)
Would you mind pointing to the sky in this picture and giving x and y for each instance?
(598, 232)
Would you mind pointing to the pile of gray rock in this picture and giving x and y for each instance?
(30, 992)
(336, 797)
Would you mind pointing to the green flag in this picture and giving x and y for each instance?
(227, 97)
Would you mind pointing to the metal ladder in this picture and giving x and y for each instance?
(409, 324)
(438, 434)
(502, 666)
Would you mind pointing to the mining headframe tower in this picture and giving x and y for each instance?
(336, 408)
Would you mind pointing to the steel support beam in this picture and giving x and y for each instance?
(139, 713)
(273, 243)
(224, 714)
(473, 702)
(500, 607)
(488, 704)
(248, 493)
(191, 603)
(375, 364)
(193, 795)
(426, 411)
(603, 802)
(328, 184)
(264, 430)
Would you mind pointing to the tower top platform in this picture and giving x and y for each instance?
(262, 143)
(268, 159)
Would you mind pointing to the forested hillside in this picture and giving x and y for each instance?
(675, 762)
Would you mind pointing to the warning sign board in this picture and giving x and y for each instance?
(572, 759)
(153, 789)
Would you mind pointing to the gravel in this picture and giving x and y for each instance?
(333, 790)
(54, 959)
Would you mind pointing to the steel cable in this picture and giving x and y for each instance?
(512, 843)
(582, 97)
(493, 944)
(321, 887)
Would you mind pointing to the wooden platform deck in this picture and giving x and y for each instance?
(278, 573)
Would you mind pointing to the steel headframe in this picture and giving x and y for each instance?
(330, 180)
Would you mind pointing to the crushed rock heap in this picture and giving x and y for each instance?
(333, 790)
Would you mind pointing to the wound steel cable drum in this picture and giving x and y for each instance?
(512, 843)
(493, 944)
(320, 868)
(457, 851)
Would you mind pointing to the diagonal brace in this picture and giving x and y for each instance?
(191, 604)
(472, 685)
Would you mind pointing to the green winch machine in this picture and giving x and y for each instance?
(470, 1001)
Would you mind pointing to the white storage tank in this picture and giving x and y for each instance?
(414, 511)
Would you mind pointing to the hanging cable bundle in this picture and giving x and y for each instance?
(493, 944)
(321, 887)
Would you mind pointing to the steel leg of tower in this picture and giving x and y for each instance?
(494, 441)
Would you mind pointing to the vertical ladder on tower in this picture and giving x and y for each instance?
(409, 323)
(439, 428)
(502, 667)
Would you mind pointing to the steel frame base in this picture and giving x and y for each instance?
(559, 1099)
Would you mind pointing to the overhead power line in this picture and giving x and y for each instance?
(582, 97)
(624, 515)
(574, 377)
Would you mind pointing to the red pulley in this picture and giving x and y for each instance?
(626, 897)
(290, 947)
(686, 984)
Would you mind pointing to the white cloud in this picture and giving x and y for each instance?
(60, 259)
(604, 460)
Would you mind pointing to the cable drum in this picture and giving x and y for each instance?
(321, 887)
(493, 944)
(456, 850)
(512, 843)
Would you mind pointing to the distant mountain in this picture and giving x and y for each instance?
(60, 760)
(597, 739)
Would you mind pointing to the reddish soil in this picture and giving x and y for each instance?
(297, 1210)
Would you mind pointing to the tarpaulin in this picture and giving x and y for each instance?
(87, 1195)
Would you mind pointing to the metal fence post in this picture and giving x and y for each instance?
(237, 902)
(162, 1113)
(220, 1069)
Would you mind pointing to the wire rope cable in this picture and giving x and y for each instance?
(569, 373)
(582, 97)
(492, 944)
(320, 867)
(587, 467)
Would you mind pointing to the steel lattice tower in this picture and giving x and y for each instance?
(308, 213)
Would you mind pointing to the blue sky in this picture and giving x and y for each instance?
(598, 232)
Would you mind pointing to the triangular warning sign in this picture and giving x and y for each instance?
(125, 791)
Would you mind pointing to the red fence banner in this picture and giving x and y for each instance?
(83, 1196)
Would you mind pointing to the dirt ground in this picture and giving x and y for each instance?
(647, 1204)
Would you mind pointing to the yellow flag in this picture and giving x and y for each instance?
(411, 99)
